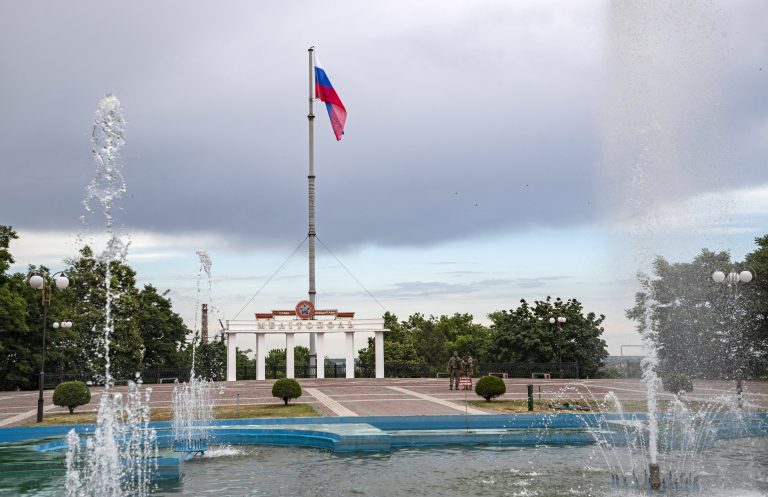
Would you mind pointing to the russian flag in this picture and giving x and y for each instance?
(325, 92)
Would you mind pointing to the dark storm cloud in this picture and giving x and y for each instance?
(464, 119)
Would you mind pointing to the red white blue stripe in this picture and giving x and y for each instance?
(325, 92)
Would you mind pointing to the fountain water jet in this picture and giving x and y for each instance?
(661, 138)
(193, 401)
(120, 457)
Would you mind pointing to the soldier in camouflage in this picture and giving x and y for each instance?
(469, 366)
(454, 367)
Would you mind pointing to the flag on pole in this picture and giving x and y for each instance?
(325, 92)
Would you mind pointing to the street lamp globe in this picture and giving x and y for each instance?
(56, 326)
(62, 282)
(561, 319)
(36, 281)
(551, 320)
(745, 276)
(733, 277)
(718, 276)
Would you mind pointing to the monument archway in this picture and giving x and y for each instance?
(317, 322)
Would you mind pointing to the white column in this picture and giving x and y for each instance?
(320, 349)
(231, 357)
(289, 355)
(378, 342)
(261, 355)
(350, 338)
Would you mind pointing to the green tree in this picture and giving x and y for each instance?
(703, 329)
(275, 358)
(421, 340)
(757, 329)
(398, 346)
(489, 387)
(87, 299)
(163, 332)
(71, 394)
(286, 389)
(465, 336)
(17, 361)
(210, 360)
(6, 259)
(525, 334)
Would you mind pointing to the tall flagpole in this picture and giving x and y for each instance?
(311, 178)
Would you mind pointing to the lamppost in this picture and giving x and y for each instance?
(40, 283)
(733, 279)
(558, 322)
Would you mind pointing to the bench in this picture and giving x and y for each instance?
(500, 375)
(546, 376)
(169, 380)
(442, 374)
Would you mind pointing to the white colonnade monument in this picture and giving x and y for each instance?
(304, 319)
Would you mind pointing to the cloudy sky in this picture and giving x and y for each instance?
(494, 150)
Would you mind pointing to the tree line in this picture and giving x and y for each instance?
(147, 334)
(704, 328)
(520, 335)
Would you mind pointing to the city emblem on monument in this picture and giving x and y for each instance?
(305, 310)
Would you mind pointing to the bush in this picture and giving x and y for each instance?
(286, 388)
(71, 394)
(489, 387)
(676, 383)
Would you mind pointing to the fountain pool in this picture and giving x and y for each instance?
(439, 472)
(543, 470)
(542, 455)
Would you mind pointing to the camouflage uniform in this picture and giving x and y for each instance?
(454, 367)
(469, 366)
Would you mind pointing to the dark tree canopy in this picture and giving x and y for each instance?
(705, 329)
(420, 340)
(525, 334)
(147, 332)
(276, 357)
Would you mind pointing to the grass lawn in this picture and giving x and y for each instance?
(513, 406)
(521, 406)
(219, 412)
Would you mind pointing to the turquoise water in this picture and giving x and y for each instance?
(444, 472)
(736, 468)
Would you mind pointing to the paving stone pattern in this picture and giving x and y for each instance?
(384, 397)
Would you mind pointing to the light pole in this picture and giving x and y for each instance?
(41, 283)
(733, 279)
(558, 322)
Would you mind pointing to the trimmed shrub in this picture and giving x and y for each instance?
(71, 394)
(286, 388)
(489, 387)
(676, 383)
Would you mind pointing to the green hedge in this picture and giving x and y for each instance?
(489, 387)
(71, 394)
(286, 388)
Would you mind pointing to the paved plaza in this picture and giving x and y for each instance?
(389, 396)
